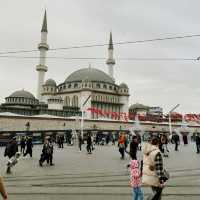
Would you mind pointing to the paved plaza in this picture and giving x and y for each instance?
(101, 175)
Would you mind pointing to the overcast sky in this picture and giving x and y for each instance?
(83, 22)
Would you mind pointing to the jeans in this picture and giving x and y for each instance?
(137, 194)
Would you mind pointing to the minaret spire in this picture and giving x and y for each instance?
(44, 25)
(110, 42)
(43, 48)
(110, 61)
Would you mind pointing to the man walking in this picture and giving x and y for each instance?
(198, 142)
(29, 147)
(154, 174)
(176, 140)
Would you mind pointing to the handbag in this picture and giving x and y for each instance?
(166, 174)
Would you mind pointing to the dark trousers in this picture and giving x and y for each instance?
(198, 147)
(50, 158)
(157, 193)
(28, 152)
(89, 150)
(79, 145)
(176, 146)
(122, 151)
(22, 149)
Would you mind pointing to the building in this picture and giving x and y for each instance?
(82, 90)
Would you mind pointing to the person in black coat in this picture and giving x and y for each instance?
(134, 147)
(198, 142)
(176, 140)
(23, 144)
(89, 144)
(11, 148)
(29, 147)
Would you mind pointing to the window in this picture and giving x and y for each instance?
(75, 101)
(75, 85)
(69, 86)
(67, 101)
(105, 86)
(110, 87)
(98, 85)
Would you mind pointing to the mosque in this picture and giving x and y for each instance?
(83, 89)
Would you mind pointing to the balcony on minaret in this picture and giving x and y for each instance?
(43, 46)
(41, 68)
(110, 61)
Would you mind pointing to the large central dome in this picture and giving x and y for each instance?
(89, 74)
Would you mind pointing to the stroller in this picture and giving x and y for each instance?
(12, 162)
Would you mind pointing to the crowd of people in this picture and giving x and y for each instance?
(149, 171)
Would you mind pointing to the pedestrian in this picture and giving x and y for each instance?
(176, 140)
(62, 141)
(29, 147)
(121, 145)
(133, 148)
(59, 141)
(113, 139)
(3, 189)
(80, 141)
(107, 139)
(135, 180)
(126, 142)
(154, 174)
(23, 144)
(10, 151)
(47, 152)
(185, 139)
(89, 144)
(197, 138)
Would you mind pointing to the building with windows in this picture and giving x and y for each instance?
(83, 89)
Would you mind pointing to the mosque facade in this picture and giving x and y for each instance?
(82, 90)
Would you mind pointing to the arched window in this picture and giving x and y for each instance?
(75, 85)
(75, 101)
(110, 87)
(69, 86)
(98, 85)
(67, 101)
(104, 86)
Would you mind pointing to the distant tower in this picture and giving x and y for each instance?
(110, 61)
(42, 68)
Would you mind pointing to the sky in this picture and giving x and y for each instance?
(84, 22)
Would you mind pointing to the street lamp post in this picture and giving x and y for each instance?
(170, 121)
(82, 113)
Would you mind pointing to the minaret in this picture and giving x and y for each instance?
(42, 68)
(110, 62)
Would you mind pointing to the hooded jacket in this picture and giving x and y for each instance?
(150, 176)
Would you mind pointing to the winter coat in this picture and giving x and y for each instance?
(150, 177)
(134, 174)
(133, 149)
(11, 149)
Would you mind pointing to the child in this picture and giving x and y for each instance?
(135, 180)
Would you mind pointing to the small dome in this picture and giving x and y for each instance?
(89, 74)
(138, 106)
(123, 85)
(22, 93)
(50, 82)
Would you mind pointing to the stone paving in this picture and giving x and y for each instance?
(101, 175)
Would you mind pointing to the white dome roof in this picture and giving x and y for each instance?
(90, 74)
